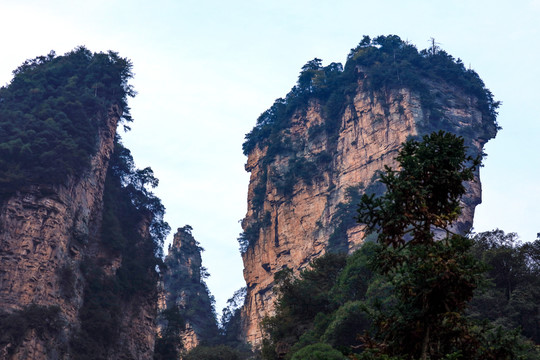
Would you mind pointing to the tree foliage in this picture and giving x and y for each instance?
(50, 113)
(169, 342)
(44, 320)
(423, 195)
(231, 326)
(227, 344)
(406, 296)
(509, 296)
(307, 305)
(129, 206)
(433, 277)
(184, 279)
(217, 352)
(384, 63)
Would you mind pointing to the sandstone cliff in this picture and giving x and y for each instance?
(184, 288)
(46, 234)
(310, 164)
(67, 243)
(43, 231)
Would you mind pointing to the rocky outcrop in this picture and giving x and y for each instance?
(80, 231)
(184, 288)
(46, 234)
(43, 233)
(302, 201)
(137, 330)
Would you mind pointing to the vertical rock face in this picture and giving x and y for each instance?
(43, 233)
(46, 234)
(302, 200)
(79, 231)
(184, 287)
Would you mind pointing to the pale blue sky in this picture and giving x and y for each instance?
(205, 70)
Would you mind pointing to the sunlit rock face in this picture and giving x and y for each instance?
(297, 221)
(44, 234)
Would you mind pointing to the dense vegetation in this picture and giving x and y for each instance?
(187, 296)
(386, 63)
(189, 301)
(128, 205)
(407, 296)
(50, 113)
(376, 66)
(43, 320)
(227, 345)
(509, 296)
(169, 340)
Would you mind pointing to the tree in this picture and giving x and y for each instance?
(510, 295)
(405, 297)
(318, 352)
(423, 195)
(431, 269)
(169, 342)
(51, 111)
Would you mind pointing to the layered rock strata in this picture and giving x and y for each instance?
(45, 234)
(293, 222)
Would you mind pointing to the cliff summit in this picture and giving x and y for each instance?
(313, 153)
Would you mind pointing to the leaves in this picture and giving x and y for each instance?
(51, 111)
(423, 195)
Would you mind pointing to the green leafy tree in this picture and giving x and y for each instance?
(231, 323)
(51, 111)
(218, 352)
(432, 270)
(318, 352)
(406, 296)
(509, 296)
(168, 342)
(423, 195)
(127, 204)
(299, 302)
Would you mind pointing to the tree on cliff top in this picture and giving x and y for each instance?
(380, 64)
(51, 111)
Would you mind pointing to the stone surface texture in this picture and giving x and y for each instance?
(46, 231)
(297, 226)
(184, 287)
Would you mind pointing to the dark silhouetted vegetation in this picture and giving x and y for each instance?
(50, 113)
(129, 206)
(227, 345)
(44, 320)
(217, 352)
(231, 326)
(509, 296)
(169, 342)
(184, 281)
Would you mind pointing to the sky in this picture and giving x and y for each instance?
(206, 69)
